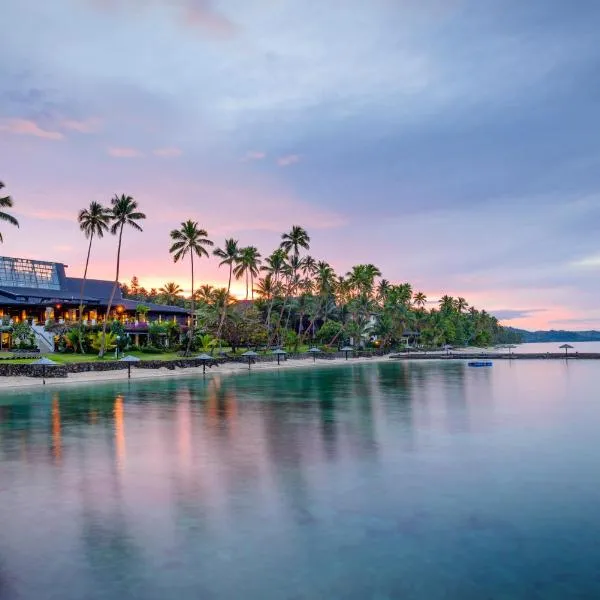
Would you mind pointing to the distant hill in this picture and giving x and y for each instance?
(556, 335)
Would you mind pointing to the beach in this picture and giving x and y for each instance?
(9, 383)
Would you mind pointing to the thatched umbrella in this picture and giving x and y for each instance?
(347, 349)
(45, 362)
(279, 353)
(566, 348)
(314, 351)
(250, 355)
(129, 359)
(204, 358)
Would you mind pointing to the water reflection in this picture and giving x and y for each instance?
(247, 486)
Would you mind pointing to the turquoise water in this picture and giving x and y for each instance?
(390, 480)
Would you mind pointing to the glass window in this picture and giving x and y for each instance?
(22, 272)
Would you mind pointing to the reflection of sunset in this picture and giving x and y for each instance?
(184, 425)
(119, 431)
(56, 440)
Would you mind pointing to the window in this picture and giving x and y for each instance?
(22, 272)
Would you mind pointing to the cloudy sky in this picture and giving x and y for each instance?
(453, 143)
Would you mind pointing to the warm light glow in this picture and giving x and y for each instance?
(119, 431)
(56, 435)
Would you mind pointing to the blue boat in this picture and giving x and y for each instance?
(480, 363)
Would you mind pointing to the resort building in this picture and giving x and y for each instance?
(41, 293)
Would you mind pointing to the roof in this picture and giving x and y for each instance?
(43, 294)
(159, 308)
(97, 288)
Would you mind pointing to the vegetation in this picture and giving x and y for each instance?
(190, 240)
(124, 212)
(93, 221)
(6, 202)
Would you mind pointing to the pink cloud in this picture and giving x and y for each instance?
(124, 152)
(167, 152)
(290, 159)
(27, 127)
(253, 155)
(84, 126)
(200, 13)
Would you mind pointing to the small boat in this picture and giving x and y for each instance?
(480, 363)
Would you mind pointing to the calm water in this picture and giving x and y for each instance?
(405, 481)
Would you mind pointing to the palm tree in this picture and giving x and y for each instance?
(93, 221)
(189, 239)
(461, 304)
(170, 291)
(205, 293)
(229, 255)
(275, 266)
(248, 264)
(294, 240)
(6, 202)
(124, 211)
(420, 299)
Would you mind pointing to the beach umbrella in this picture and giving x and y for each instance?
(566, 347)
(250, 355)
(447, 348)
(510, 347)
(129, 359)
(347, 349)
(279, 353)
(314, 351)
(204, 358)
(45, 362)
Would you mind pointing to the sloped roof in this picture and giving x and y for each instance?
(159, 308)
(97, 288)
(42, 294)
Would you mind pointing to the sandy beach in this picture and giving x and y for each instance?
(10, 383)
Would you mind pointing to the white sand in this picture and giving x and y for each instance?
(7, 383)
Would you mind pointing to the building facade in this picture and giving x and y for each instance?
(40, 292)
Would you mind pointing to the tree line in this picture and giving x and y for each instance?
(291, 298)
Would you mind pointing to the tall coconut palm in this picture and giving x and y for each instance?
(190, 240)
(419, 299)
(295, 239)
(93, 221)
(275, 266)
(229, 255)
(124, 211)
(248, 265)
(6, 202)
(170, 292)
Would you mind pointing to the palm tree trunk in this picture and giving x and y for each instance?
(192, 306)
(246, 284)
(112, 295)
(224, 311)
(87, 262)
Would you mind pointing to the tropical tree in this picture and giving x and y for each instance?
(295, 239)
(190, 240)
(229, 255)
(124, 211)
(170, 292)
(94, 222)
(248, 264)
(6, 202)
(420, 299)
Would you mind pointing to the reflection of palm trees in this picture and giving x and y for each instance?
(56, 434)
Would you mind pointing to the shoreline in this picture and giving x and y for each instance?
(11, 383)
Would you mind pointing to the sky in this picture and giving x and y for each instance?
(452, 143)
